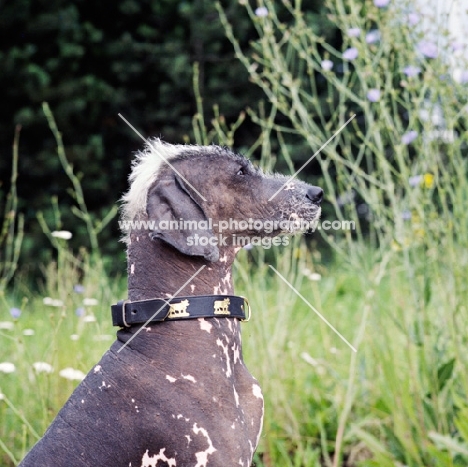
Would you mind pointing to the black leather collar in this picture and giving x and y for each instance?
(126, 313)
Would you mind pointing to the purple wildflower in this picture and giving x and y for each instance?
(261, 12)
(411, 71)
(463, 78)
(327, 65)
(381, 3)
(373, 36)
(428, 49)
(350, 54)
(457, 46)
(353, 32)
(415, 180)
(78, 288)
(80, 312)
(15, 313)
(373, 95)
(406, 215)
(346, 198)
(413, 19)
(409, 137)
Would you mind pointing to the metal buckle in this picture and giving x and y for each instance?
(249, 314)
(124, 302)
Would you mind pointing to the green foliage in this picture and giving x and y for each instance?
(12, 228)
(90, 62)
(80, 210)
(398, 169)
(397, 291)
(65, 325)
(67, 313)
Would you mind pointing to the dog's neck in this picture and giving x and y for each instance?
(167, 272)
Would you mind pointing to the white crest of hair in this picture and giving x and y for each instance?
(145, 170)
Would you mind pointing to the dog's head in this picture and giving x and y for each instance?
(193, 196)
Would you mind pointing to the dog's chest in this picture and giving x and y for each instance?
(201, 398)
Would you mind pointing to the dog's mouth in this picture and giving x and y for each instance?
(300, 214)
(301, 221)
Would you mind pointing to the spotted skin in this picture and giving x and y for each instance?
(179, 394)
(162, 408)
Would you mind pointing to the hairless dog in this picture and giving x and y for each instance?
(173, 390)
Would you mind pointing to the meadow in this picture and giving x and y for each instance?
(399, 400)
(395, 288)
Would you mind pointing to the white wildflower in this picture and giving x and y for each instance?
(90, 302)
(7, 367)
(89, 319)
(63, 234)
(7, 325)
(313, 276)
(42, 367)
(52, 301)
(72, 374)
(28, 332)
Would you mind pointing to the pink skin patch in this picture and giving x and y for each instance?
(257, 392)
(205, 325)
(152, 461)
(202, 456)
(226, 353)
(190, 378)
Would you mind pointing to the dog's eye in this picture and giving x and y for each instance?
(241, 171)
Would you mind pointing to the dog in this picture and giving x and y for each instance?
(173, 389)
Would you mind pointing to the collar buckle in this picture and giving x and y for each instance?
(124, 302)
(248, 311)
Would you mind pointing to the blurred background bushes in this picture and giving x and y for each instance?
(91, 61)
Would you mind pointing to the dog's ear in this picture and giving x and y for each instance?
(169, 201)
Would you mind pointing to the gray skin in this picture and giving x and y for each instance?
(179, 394)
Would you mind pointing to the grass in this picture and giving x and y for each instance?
(398, 401)
(401, 399)
(396, 287)
(280, 342)
(58, 327)
(402, 393)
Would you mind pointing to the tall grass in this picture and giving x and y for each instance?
(12, 228)
(50, 339)
(399, 169)
(396, 291)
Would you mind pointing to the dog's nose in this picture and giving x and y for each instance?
(315, 194)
